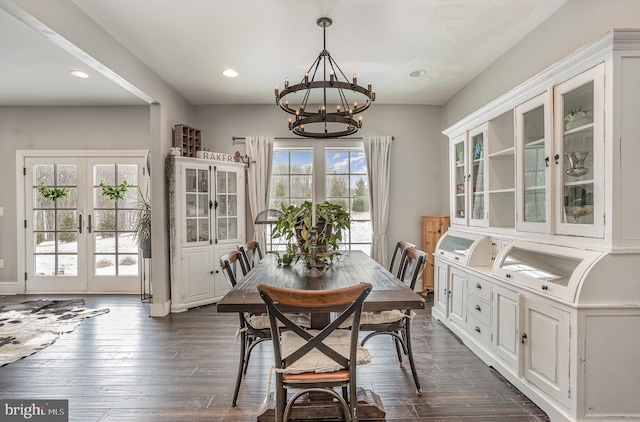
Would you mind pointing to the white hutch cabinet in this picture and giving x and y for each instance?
(209, 221)
(543, 284)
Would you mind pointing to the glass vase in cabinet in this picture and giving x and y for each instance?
(579, 154)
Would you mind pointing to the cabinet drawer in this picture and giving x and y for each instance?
(479, 287)
(479, 331)
(479, 309)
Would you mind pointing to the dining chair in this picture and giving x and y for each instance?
(316, 360)
(397, 323)
(249, 252)
(253, 328)
(401, 245)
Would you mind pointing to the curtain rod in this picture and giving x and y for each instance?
(237, 139)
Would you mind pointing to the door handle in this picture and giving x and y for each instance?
(89, 223)
(79, 223)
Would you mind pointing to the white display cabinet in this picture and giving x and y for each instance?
(561, 288)
(209, 218)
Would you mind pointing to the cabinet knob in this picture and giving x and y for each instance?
(478, 308)
(524, 337)
(556, 157)
(477, 329)
(546, 161)
(545, 287)
(508, 275)
(211, 272)
(478, 286)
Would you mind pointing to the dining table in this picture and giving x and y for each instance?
(344, 269)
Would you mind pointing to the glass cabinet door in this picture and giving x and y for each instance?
(226, 205)
(459, 178)
(579, 154)
(533, 140)
(197, 216)
(477, 185)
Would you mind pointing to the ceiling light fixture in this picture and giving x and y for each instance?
(322, 123)
(230, 73)
(80, 74)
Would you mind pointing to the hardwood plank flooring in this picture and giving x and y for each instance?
(127, 366)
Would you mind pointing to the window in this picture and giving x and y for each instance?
(291, 178)
(346, 184)
(338, 175)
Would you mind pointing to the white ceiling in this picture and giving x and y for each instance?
(189, 42)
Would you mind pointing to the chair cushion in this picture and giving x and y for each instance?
(374, 318)
(316, 361)
(261, 321)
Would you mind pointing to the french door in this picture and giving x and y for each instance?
(82, 242)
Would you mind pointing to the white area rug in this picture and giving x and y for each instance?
(30, 326)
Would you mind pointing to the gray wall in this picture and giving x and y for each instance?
(574, 25)
(416, 184)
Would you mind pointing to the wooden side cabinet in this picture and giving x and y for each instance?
(433, 227)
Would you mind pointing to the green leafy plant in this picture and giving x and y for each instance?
(295, 228)
(115, 192)
(142, 227)
(52, 194)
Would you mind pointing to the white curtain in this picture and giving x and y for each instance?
(377, 150)
(260, 152)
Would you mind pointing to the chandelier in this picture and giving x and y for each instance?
(325, 93)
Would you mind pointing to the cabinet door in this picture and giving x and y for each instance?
(229, 208)
(545, 348)
(533, 144)
(441, 288)
(456, 293)
(505, 325)
(195, 214)
(477, 180)
(579, 154)
(459, 177)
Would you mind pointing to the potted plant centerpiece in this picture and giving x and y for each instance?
(295, 228)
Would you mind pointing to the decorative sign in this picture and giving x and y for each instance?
(216, 156)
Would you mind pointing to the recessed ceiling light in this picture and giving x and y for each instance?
(230, 73)
(80, 74)
(417, 73)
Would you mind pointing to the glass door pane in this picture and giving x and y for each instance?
(227, 205)
(477, 185)
(577, 146)
(197, 211)
(534, 177)
(55, 220)
(460, 177)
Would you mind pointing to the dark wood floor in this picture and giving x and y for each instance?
(126, 366)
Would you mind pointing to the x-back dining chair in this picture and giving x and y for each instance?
(401, 245)
(253, 328)
(397, 323)
(316, 360)
(251, 253)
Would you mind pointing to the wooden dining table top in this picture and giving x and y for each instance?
(347, 269)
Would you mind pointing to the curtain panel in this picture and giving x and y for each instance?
(260, 151)
(377, 151)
